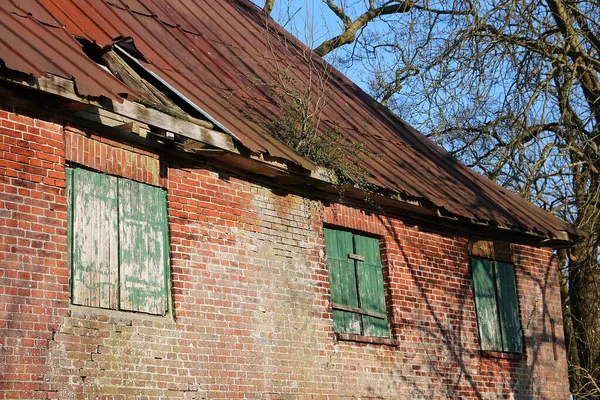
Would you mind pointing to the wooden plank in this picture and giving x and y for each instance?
(134, 81)
(59, 86)
(150, 95)
(135, 127)
(69, 195)
(358, 310)
(342, 280)
(94, 237)
(486, 307)
(492, 250)
(370, 286)
(356, 257)
(512, 338)
(103, 117)
(143, 244)
(164, 121)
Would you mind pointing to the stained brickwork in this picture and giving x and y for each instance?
(111, 157)
(251, 315)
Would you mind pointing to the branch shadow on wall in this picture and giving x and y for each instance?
(444, 335)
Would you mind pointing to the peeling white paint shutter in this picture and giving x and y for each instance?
(94, 246)
(143, 247)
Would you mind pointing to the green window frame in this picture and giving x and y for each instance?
(356, 283)
(118, 243)
(496, 306)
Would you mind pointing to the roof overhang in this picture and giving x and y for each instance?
(152, 128)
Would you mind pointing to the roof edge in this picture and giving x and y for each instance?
(276, 172)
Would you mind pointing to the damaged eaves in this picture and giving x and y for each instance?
(148, 91)
(192, 140)
(101, 110)
(190, 106)
(155, 93)
(21, 36)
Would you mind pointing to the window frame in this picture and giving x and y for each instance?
(121, 278)
(372, 315)
(509, 334)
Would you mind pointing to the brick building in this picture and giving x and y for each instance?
(158, 242)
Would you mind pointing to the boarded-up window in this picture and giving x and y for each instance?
(356, 281)
(118, 243)
(496, 306)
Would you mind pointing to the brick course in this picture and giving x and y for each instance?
(252, 314)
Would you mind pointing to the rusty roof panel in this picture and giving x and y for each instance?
(95, 22)
(24, 8)
(33, 47)
(222, 56)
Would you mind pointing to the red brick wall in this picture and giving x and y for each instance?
(252, 316)
(34, 295)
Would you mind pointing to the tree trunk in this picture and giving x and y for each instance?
(584, 296)
(570, 342)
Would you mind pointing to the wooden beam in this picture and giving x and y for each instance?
(358, 310)
(75, 106)
(135, 127)
(66, 89)
(356, 257)
(103, 117)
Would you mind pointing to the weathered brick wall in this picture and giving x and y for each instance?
(34, 295)
(252, 316)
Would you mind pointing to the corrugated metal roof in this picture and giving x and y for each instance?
(216, 53)
(33, 41)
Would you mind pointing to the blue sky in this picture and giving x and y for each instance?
(309, 20)
(312, 22)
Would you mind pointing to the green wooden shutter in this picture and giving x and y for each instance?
(143, 247)
(371, 292)
(342, 280)
(486, 306)
(94, 239)
(508, 308)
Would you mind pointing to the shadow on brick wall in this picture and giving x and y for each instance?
(468, 374)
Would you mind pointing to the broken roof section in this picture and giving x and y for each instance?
(219, 57)
(34, 42)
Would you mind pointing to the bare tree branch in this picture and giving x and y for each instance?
(511, 88)
(352, 27)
